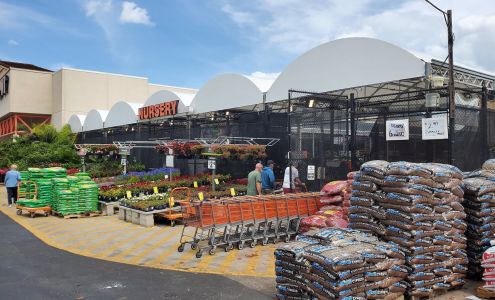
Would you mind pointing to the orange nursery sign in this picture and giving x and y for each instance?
(158, 110)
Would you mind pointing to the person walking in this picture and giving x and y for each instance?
(291, 182)
(268, 178)
(254, 181)
(12, 178)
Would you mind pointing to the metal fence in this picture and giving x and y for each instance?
(338, 135)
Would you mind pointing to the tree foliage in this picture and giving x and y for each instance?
(44, 147)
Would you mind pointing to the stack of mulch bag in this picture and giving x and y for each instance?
(339, 264)
(417, 207)
(479, 203)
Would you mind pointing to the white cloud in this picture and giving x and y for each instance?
(13, 43)
(93, 7)
(58, 66)
(291, 27)
(18, 17)
(132, 13)
(263, 75)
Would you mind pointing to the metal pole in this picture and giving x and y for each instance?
(451, 88)
(289, 141)
(353, 132)
(483, 125)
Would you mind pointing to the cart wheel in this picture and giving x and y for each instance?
(275, 240)
(252, 244)
(230, 247)
(240, 246)
(212, 251)
(264, 242)
(46, 214)
(31, 214)
(180, 248)
(199, 254)
(19, 212)
(287, 239)
(194, 246)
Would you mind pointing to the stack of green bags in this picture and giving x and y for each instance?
(73, 181)
(26, 189)
(58, 185)
(88, 196)
(66, 202)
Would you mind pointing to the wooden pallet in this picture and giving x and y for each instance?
(76, 216)
(433, 295)
(485, 293)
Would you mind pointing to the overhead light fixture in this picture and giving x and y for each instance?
(127, 129)
(132, 129)
(171, 122)
(227, 113)
(161, 124)
(213, 118)
(311, 103)
(291, 108)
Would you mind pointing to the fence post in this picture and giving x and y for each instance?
(353, 132)
(483, 124)
(289, 140)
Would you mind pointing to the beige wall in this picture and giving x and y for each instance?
(82, 91)
(29, 92)
(153, 88)
(71, 91)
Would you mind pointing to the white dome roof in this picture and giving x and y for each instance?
(95, 119)
(346, 63)
(228, 91)
(122, 113)
(166, 96)
(76, 122)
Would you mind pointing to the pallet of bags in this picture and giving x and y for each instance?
(339, 264)
(327, 216)
(479, 203)
(417, 208)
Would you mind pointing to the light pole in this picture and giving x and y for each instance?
(451, 88)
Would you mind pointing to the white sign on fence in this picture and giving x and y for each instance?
(212, 164)
(169, 161)
(397, 130)
(123, 161)
(435, 128)
(311, 172)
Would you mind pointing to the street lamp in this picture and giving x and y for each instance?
(448, 21)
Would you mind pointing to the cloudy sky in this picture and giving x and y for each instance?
(187, 42)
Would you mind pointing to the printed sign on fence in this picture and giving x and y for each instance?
(155, 190)
(435, 128)
(311, 172)
(397, 130)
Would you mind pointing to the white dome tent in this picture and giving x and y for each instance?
(346, 63)
(166, 96)
(76, 122)
(95, 119)
(122, 113)
(227, 91)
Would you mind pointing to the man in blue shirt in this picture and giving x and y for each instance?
(11, 180)
(268, 178)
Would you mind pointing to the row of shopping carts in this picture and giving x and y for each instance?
(246, 220)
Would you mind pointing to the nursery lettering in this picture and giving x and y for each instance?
(158, 110)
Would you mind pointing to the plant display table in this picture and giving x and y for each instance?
(143, 218)
(108, 208)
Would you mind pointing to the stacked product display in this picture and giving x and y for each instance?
(479, 203)
(339, 264)
(64, 194)
(333, 207)
(418, 208)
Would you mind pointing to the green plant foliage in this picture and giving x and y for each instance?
(44, 147)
